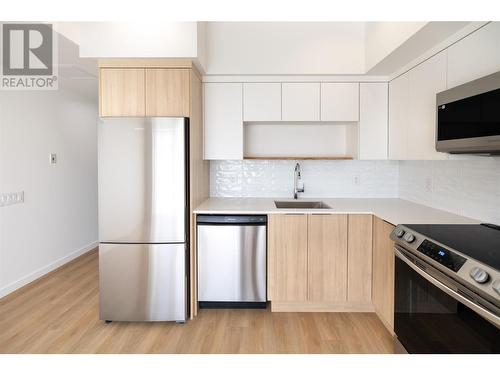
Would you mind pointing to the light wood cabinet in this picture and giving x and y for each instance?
(287, 262)
(320, 262)
(122, 92)
(262, 101)
(359, 264)
(339, 101)
(327, 258)
(331, 262)
(140, 92)
(300, 101)
(223, 121)
(167, 92)
(383, 272)
(373, 121)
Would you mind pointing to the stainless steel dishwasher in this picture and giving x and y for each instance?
(232, 261)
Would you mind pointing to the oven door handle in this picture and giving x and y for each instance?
(486, 314)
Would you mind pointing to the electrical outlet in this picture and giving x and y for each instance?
(7, 199)
(428, 185)
(356, 180)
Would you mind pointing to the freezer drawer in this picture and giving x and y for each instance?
(231, 263)
(142, 282)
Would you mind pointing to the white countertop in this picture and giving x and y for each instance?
(393, 210)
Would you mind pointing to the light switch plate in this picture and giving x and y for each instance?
(53, 158)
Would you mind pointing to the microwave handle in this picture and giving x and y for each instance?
(492, 318)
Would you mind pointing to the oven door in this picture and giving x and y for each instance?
(430, 317)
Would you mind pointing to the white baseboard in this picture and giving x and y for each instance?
(9, 288)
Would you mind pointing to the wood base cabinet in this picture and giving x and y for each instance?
(359, 263)
(287, 257)
(327, 258)
(320, 262)
(383, 272)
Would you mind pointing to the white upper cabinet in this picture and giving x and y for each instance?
(412, 111)
(262, 102)
(475, 56)
(340, 101)
(223, 121)
(399, 104)
(373, 121)
(426, 80)
(300, 101)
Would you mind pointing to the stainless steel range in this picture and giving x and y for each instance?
(447, 288)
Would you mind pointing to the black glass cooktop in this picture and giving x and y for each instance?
(480, 242)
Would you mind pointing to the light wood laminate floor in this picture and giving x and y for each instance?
(60, 314)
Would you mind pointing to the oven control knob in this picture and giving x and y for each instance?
(399, 232)
(479, 275)
(496, 286)
(408, 237)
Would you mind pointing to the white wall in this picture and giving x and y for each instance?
(201, 45)
(132, 39)
(285, 47)
(58, 220)
(382, 38)
(271, 178)
(431, 36)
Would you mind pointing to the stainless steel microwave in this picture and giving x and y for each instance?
(468, 117)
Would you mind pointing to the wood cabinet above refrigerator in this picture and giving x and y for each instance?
(133, 91)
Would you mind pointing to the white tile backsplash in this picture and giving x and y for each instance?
(469, 187)
(329, 178)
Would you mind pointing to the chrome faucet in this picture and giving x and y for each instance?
(298, 185)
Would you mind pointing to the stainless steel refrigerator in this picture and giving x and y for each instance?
(143, 219)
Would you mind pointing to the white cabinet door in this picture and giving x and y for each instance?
(262, 102)
(373, 121)
(399, 103)
(223, 121)
(300, 101)
(426, 80)
(475, 56)
(340, 101)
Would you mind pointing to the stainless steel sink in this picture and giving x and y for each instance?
(301, 205)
